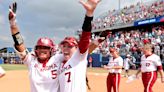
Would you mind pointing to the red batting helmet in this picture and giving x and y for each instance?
(46, 42)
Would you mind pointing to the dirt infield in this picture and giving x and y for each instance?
(17, 81)
(98, 84)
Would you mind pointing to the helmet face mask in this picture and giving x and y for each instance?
(44, 48)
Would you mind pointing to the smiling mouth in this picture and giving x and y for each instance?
(66, 53)
(43, 52)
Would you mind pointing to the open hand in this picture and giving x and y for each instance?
(90, 6)
(12, 14)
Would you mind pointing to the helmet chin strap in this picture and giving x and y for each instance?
(43, 61)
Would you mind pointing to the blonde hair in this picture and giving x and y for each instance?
(148, 47)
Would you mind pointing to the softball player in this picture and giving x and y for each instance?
(42, 64)
(150, 64)
(72, 77)
(2, 72)
(114, 66)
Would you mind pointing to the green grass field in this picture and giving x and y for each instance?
(8, 67)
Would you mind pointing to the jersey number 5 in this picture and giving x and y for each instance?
(54, 74)
(69, 76)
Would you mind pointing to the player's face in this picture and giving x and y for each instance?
(67, 50)
(146, 51)
(113, 53)
(43, 52)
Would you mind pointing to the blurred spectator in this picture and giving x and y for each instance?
(128, 15)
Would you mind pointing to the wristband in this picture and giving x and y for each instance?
(87, 24)
(17, 38)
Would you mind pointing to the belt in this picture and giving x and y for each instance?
(149, 72)
(114, 73)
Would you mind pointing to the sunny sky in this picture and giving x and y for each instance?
(49, 18)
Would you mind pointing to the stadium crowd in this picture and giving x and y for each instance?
(130, 42)
(128, 15)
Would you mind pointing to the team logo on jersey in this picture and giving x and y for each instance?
(46, 68)
(65, 68)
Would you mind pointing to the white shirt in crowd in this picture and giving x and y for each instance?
(126, 63)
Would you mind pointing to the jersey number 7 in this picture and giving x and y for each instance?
(69, 76)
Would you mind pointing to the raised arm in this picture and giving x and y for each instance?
(89, 6)
(94, 44)
(18, 40)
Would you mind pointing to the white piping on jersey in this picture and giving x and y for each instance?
(152, 75)
(116, 82)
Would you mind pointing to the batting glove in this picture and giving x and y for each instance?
(12, 14)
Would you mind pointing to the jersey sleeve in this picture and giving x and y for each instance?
(58, 57)
(29, 58)
(78, 58)
(157, 61)
(86, 34)
(84, 42)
